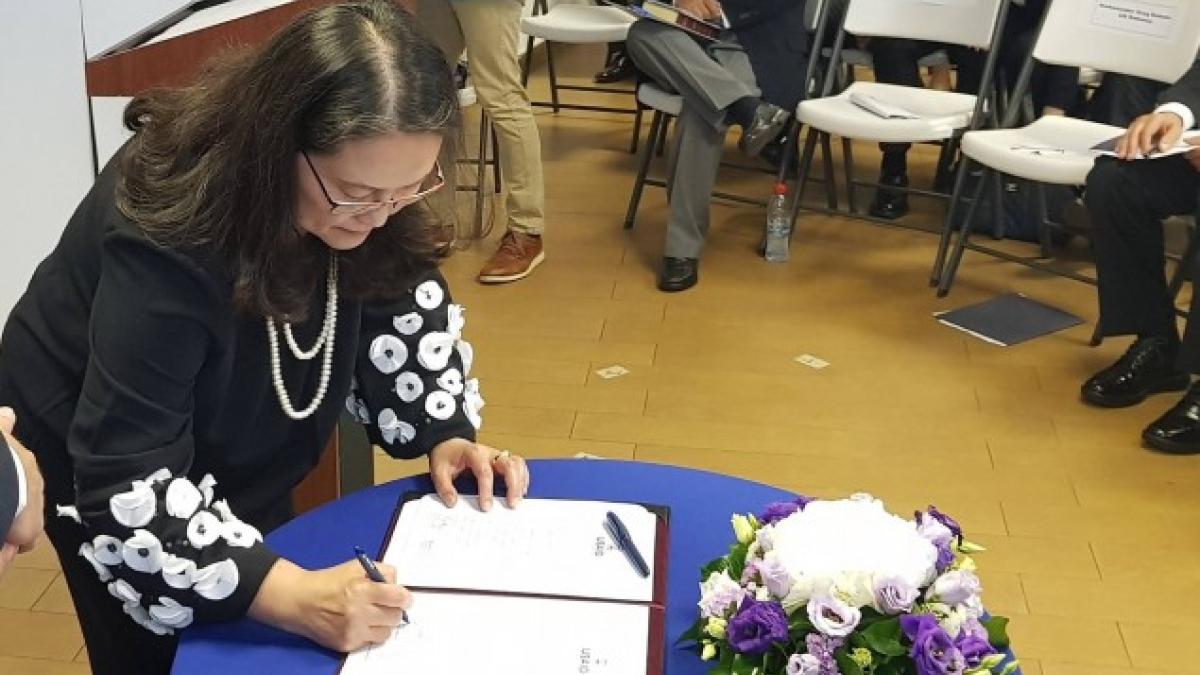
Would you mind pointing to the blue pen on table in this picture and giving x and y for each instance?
(620, 534)
(375, 575)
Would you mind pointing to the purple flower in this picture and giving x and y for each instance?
(777, 511)
(950, 523)
(974, 649)
(972, 626)
(775, 576)
(803, 664)
(831, 616)
(954, 588)
(945, 557)
(894, 595)
(750, 571)
(757, 626)
(933, 652)
(822, 647)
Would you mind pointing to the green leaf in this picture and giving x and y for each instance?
(969, 547)
(737, 560)
(846, 664)
(1010, 668)
(745, 665)
(884, 637)
(997, 629)
(718, 565)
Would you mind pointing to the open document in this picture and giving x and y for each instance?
(543, 588)
(1109, 147)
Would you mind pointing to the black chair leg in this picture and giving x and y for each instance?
(939, 261)
(848, 166)
(637, 126)
(496, 175)
(830, 181)
(639, 184)
(806, 159)
(527, 64)
(553, 77)
(963, 235)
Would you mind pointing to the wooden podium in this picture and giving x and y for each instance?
(173, 59)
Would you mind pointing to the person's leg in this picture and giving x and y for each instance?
(490, 29)
(1127, 202)
(617, 65)
(895, 63)
(1122, 98)
(700, 148)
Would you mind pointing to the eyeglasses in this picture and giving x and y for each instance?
(432, 183)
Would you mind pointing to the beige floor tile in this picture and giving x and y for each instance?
(21, 587)
(1082, 640)
(1162, 646)
(56, 599)
(1055, 557)
(619, 400)
(39, 635)
(26, 666)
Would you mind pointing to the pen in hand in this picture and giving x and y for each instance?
(375, 575)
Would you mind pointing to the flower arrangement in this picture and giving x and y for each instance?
(842, 587)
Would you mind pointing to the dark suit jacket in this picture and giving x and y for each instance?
(8, 488)
(1185, 91)
(773, 35)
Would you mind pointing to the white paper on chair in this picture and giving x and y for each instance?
(881, 108)
(453, 634)
(543, 547)
(1152, 19)
(1109, 147)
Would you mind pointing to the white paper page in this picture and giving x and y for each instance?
(881, 108)
(543, 547)
(453, 634)
(1109, 147)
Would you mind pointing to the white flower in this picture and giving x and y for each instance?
(178, 572)
(473, 402)
(832, 617)
(170, 613)
(803, 664)
(775, 576)
(799, 594)
(409, 386)
(854, 588)
(203, 529)
(742, 529)
(954, 588)
(765, 537)
(388, 353)
(832, 538)
(88, 554)
(440, 405)
(136, 507)
(451, 381)
(121, 590)
(107, 549)
(434, 349)
(467, 353)
(142, 618)
(68, 512)
(408, 324)
(143, 552)
(216, 581)
(718, 594)
(357, 409)
(429, 294)
(394, 429)
(206, 485)
(951, 619)
(183, 498)
(239, 534)
(455, 320)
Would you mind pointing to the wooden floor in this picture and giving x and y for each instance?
(1092, 539)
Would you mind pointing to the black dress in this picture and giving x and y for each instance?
(148, 399)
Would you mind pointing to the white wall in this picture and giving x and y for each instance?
(108, 23)
(45, 137)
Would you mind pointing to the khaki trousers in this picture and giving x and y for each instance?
(489, 30)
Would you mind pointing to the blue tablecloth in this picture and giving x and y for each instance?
(701, 504)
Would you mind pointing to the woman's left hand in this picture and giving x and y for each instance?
(450, 458)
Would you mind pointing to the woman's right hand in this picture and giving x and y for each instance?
(338, 607)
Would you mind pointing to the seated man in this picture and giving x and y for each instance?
(752, 77)
(1055, 89)
(1127, 201)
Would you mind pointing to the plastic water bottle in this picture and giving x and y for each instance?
(778, 225)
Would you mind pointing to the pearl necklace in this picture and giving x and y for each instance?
(324, 340)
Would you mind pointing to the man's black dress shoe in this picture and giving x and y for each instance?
(620, 68)
(678, 274)
(1178, 431)
(769, 121)
(1148, 367)
(890, 204)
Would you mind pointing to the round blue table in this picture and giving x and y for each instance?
(701, 505)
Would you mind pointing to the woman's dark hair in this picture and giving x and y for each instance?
(213, 165)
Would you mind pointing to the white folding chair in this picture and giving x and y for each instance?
(942, 116)
(1058, 150)
(577, 24)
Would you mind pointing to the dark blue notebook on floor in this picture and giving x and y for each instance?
(1009, 319)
